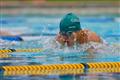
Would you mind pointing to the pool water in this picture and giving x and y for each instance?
(39, 32)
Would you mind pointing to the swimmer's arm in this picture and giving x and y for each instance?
(56, 44)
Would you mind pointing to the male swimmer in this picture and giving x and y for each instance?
(71, 32)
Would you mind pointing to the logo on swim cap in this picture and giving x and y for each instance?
(75, 20)
(70, 23)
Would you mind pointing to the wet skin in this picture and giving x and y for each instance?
(81, 37)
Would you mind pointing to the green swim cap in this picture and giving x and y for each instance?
(70, 23)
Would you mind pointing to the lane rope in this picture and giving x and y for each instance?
(62, 69)
(20, 50)
(5, 56)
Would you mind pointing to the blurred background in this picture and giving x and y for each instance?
(52, 7)
(43, 16)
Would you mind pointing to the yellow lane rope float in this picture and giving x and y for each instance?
(60, 72)
(21, 50)
(104, 65)
(5, 55)
(61, 69)
(104, 70)
(44, 72)
(6, 51)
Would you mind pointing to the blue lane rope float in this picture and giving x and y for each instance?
(61, 69)
(11, 38)
(20, 50)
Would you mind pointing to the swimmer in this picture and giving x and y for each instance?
(72, 33)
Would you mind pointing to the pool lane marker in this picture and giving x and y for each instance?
(61, 68)
(64, 66)
(20, 50)
(6, 51)
(5, 55)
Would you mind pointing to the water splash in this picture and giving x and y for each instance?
(100, 49)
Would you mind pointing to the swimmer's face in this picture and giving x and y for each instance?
(65, 39)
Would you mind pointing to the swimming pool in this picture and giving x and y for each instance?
(39, 32)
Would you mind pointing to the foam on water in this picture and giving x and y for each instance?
(101, 49)
(51, 46)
